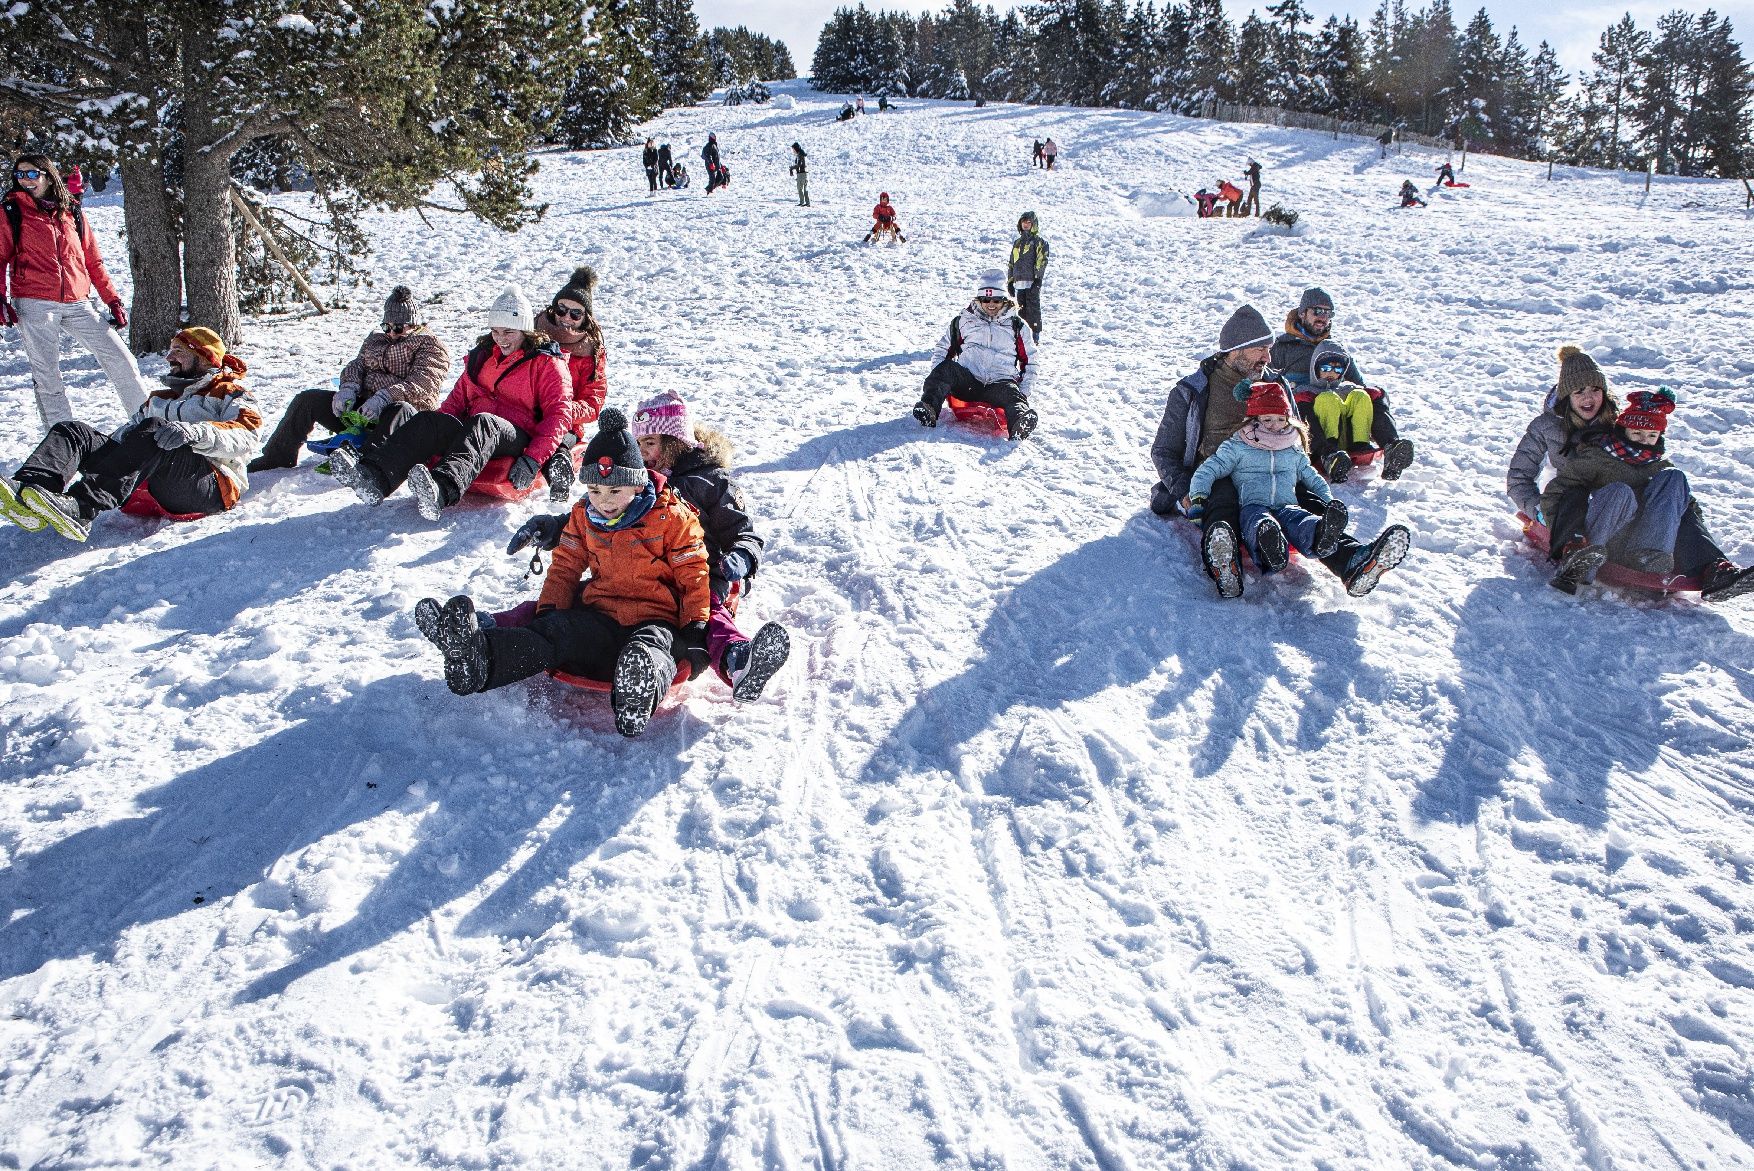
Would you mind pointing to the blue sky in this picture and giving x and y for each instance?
(1572, 26)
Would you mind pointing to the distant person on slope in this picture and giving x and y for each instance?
(883, 221)
(1580, 412)
(985, 356)
(716, 174)
(1205, 409)
(1306, 327)
(1038, 159)
(665, 162)
(1253, 202)
(401, 362)
(801, 168)
(49, 258)
(1050, 150)
(1231, 194)
(510, 401)
(1029, 259)
(650, 159)
(1410, 194)
(1446, 175)
(186, 444)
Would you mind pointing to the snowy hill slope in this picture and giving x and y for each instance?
(1037, 855)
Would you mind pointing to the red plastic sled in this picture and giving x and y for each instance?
(1458, 184)
(599, 685)
(1363, 459)
(142, 503)
(1611, 574)
(980, 416)
(494, 482)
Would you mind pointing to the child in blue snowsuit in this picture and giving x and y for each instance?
(1266, 461)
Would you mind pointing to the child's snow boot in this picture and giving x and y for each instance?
(1375, 559)
(344, 465)
(1218, 550)
(1397, 457)
(749, 665)
(641, 673)
(926, 413)
(458, 638)
(63, 513)
(1337, 467)
(1579, 567)
(1723, 581)
(1020, 420)
(17, 511)
(425, 491)
(559, 473)
(1271, 552)
(1329, 532)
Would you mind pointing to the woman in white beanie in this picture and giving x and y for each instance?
(985, 356)
(510, 402)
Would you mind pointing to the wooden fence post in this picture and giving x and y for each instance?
(1750, 191)
(298, 278)
(1648, 174)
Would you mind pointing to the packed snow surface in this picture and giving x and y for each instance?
(1037, 854)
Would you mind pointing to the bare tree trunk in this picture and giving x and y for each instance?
(153, 257)
(209, 249)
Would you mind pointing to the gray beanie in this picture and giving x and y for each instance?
(1315, 299)
(1327, 349)
(399, 307)
(612, 456)
(1245, 328)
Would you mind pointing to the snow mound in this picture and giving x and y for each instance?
(784, 102)
(1158, 204)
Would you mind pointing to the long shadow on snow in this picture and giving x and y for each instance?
(1578, 682)
(210, 580)
(605, 781)
(1114, 611)
(216, 830)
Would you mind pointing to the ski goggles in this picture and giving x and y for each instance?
(1331, 368)
(33, 176)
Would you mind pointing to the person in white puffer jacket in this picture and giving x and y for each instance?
(987, 355)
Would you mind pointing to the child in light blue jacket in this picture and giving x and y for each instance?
(1266, 461)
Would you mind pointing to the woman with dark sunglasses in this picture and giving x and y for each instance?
(49, 268)
(402, 365)
(570, 322)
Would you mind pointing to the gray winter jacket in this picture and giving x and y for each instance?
(1543, 443)
(1176, 450)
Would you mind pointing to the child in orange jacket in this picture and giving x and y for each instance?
(643, 608)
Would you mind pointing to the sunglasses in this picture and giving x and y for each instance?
(1331, 368)
(388, 328)
(1319, 312)
(33, 176)
(559, 314)
(991, 300)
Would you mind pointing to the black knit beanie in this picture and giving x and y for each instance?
(579, 287)
(612, 456)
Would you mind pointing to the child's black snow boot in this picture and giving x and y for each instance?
(1579, 567)
(641, 675)
(1218, 550)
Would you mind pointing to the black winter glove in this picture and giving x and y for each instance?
(542, 531)
(691, 648)
(523, 472)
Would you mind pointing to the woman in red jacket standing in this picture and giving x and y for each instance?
(511, 400)
(50, 261)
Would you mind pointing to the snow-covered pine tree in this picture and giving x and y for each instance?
(1478, 95)
(383, 98)
(677, 51)
(1608, 90)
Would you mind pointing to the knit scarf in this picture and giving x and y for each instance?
(1258, 437)
(1627, 452)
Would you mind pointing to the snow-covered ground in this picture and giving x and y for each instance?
(1037, 855)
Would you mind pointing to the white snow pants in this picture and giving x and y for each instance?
(41, 323)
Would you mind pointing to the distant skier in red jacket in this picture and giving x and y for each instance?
(884, 221)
